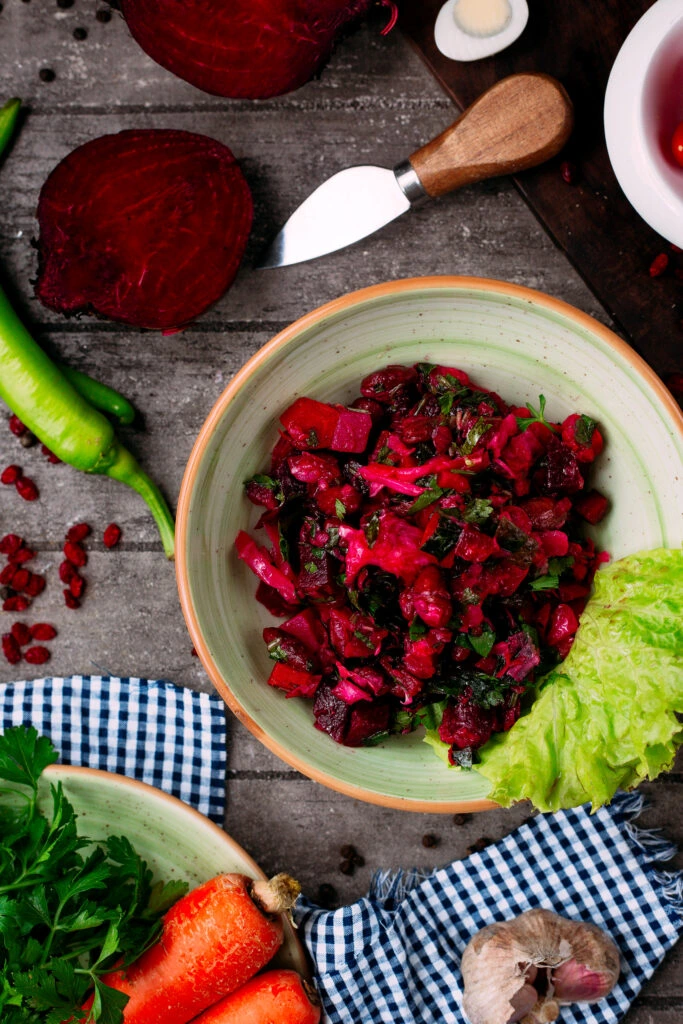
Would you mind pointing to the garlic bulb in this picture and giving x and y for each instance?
(523, 970)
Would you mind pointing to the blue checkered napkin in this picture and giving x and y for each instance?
(159, 733)
(394, 957)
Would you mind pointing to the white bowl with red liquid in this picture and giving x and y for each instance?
(643, 106)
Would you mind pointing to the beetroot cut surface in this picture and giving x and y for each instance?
(145, 227)
(250, 49)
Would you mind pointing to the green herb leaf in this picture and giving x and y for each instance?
(24, 755)
(536, 416)
(474, 436)
(339, 508)
(483, 643)
(428, 497)
(371, 529)
(478, 511)
(544, 583)
(584, 428)
(416, 629)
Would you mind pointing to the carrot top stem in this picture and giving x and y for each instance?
(276, 895)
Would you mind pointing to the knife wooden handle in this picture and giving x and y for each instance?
(517, 123)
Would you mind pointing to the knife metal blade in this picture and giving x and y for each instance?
(351, 205)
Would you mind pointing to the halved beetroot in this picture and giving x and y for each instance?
(243, 48)
(146, 227)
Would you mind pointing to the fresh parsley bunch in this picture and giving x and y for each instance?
(70, 909)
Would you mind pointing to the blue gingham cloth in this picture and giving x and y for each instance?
(394, 956)
(153, 731)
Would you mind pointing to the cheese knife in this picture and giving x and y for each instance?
(519, 122)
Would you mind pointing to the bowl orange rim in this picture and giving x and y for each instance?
(281, 339)
(61, 771)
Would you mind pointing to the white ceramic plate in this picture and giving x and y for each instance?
(643, 105)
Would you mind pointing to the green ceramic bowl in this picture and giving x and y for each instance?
(520, 343)
(175, 840)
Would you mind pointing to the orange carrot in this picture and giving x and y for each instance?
(276, 997)
(213, 940)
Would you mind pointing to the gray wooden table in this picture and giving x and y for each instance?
(374, 103)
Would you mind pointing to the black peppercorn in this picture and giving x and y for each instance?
(28, 440)
(461, 819)
(346, 867)
(347, 851)
(65, 4)
(327, 895)
(46, 75)
(80, 34)
(429, 840)
(103, 15)
(478, 845)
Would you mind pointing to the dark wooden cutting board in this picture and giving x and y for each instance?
(591, 220)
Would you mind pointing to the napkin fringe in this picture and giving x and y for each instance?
(648, 845)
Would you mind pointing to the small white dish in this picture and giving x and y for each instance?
(643, 106)
(454, 41)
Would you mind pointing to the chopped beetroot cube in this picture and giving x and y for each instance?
(466, 725)
(317, 469)
(474, 546)
(555, 543)
(366, 678)
(395, 549)
(310, 424)
(591, 506)
(383, 384)
(294, 682)
(421, 655)
(403, 684)
(352, 430)
(264, 491)
(428, 597)
(306, 627)
(339, 501)
(547, 513)
(561, 629)
(273, 601)
(366, 721)
(287, 649)
(354, 635)
(559, 473)
(330, 713)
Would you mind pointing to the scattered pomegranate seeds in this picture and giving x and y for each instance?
(20, 579)
(659, 265)
(78, 532)
(70, 601)
(112, 535)
(43, 631)
(27, 489)
(23, 554)
(10, 475)
(568, 172)
(77, 585)
(21, 633)
(16, 426)
(10, 543)
(10, 648)
(35, 586)
(67, 572)
(19, 603)
(75, 554)
(7, 575)
(51, 457)
(37, 655)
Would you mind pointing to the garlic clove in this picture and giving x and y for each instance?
(575, 983)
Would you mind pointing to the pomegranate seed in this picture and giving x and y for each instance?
(51, 457)
(77, 585)
(35, 586)
(37, 655)
(16, 426)
(568, 172)
(19, 603)
(27, 489)
(10, 543)
(75, 554)
(22, 555)
(21, 633)
(659, 265)
(7, 575)
(43, 631)
(70, 601)
(193, 652)
(20, 579)
(112, 535)
(66, 572)
(10, 648)
(78, 532)
(11, 474)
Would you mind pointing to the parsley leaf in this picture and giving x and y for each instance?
(536, 417)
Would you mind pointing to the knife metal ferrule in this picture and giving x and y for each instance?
(409, 182)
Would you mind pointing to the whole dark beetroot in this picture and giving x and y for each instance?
(241, 49)
(145, 227)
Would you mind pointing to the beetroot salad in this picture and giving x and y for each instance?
(425, 549)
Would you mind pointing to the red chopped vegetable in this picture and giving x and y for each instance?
(146, 227)
(242, 49)
(428, 575)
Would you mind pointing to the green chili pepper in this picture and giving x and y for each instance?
(42, 397)
(100, 395)
(8, 119)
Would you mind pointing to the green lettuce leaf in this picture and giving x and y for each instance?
(605, 719)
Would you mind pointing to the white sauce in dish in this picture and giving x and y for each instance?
(472, 29)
